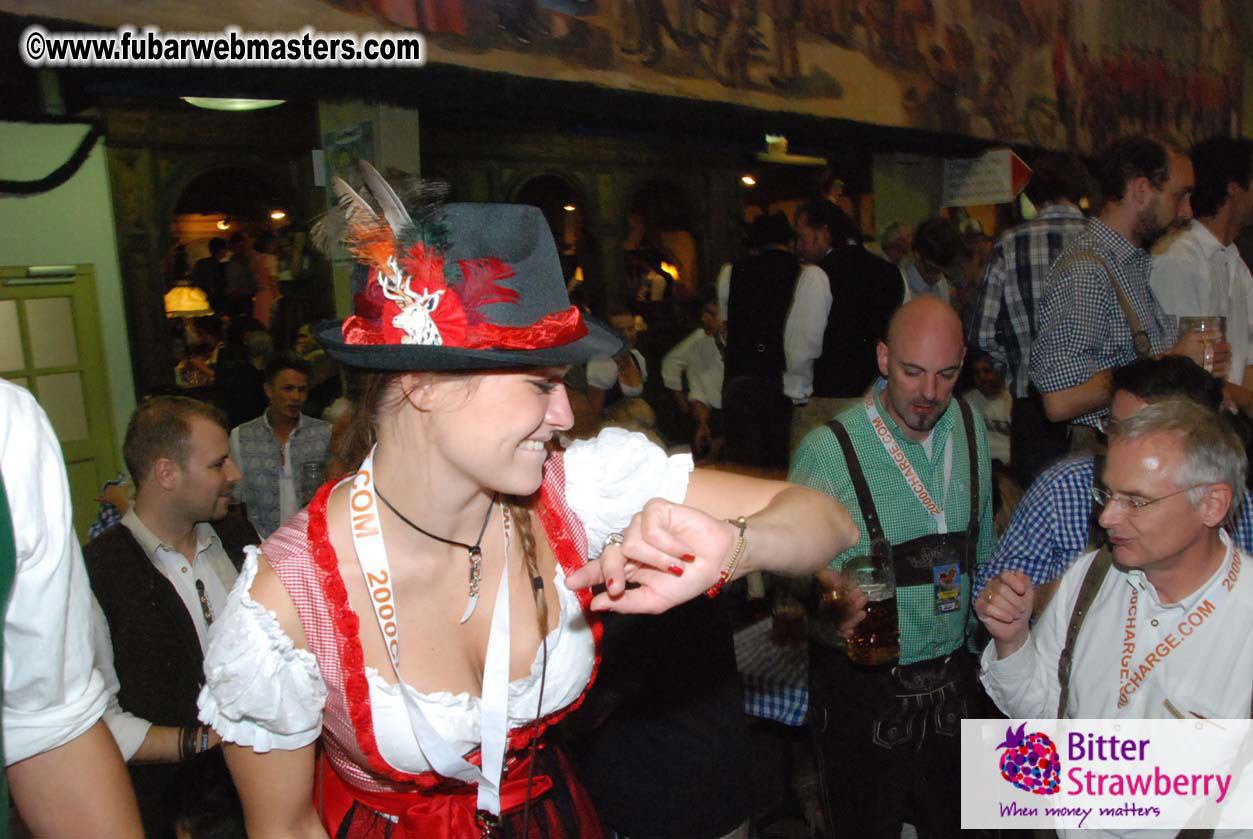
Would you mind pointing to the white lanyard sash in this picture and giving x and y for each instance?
(367, 538)
(901, 461)
(1132, 677)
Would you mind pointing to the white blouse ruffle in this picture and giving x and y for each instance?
(262, 692)
(611, 476)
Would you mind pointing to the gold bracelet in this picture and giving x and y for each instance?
(740, 544)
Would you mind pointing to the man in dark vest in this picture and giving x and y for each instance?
(911, 464)
(755, 413)
(840, 310)
(161, 576)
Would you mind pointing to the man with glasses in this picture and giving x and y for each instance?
(1174, 473)
(1054, 523)
(1099, 312)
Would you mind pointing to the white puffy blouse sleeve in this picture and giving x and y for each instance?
(610, 477)
(259, 691)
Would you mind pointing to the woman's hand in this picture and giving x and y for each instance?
(670, 553)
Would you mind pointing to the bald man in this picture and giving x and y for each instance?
(911, 463)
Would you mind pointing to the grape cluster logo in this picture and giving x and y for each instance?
(1030, 762)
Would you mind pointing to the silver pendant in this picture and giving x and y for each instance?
(476, 574)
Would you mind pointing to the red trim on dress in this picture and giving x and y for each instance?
(554, 515)
(347, 632)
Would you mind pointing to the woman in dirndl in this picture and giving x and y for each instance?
(391, 657)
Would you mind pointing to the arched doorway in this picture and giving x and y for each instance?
(566, 212)
(661, 244)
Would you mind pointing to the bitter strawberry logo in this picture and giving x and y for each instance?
(1030, 762)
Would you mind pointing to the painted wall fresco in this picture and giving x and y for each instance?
(1052, 73)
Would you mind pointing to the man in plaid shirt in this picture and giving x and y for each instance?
(1053, 526)
(1084, 329)
(1005, 323)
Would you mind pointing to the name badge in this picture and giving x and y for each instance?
(947, 581)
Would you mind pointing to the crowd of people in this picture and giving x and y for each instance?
(482, 596)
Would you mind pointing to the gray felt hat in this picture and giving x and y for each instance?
(470, 287)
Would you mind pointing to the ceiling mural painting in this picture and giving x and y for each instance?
(1050, 73)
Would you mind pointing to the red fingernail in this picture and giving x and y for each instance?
(609, 582)
(676, 569)
(687, 557)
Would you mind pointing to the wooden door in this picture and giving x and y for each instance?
(50, 344)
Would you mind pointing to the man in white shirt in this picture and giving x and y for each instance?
(843, 301)
(1168, 613)
(937, 248)
(1199, 272)
(700, 357)
(995, 405)
(161, 577)
(63, 768)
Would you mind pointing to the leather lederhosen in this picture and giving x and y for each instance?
(914, 561)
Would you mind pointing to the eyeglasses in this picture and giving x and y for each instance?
(1134, 505)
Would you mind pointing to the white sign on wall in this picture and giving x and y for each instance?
(995, 177)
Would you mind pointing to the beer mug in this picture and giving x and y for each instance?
(787, 624)
(877, 638)
(312, 474)
(1213, 327)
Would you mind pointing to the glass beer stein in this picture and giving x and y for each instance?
(1213, 327)
(877, 638)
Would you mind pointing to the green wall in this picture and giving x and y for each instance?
(71, 224)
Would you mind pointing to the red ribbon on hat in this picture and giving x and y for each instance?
(553, 330)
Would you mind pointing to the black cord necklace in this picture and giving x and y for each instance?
(476, 552)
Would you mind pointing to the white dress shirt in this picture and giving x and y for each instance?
(803, 332)
(212, 568)
(996, 413)
(602, 373)
(52, 693)
(917, 286)
(1208, 670)
(723, 287)
(697, 355)
(1196, 275)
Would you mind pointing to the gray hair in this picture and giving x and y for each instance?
(1212, 450)
(896, 231)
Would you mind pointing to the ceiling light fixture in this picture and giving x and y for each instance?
(748, 180)
(218, 103)
(224, 224)
(277, 214)
(569, 208)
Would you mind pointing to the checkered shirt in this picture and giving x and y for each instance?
(1049, 529)
(1082, 327)
(1005, 311)
(819, 463)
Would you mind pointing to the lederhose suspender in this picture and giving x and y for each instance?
(1139, 338)
(870, 514)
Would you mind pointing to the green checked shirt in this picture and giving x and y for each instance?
(819, 463)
